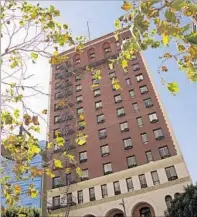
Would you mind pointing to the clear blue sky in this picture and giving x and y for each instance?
(181, 109)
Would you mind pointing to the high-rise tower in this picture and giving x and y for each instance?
(131, 162)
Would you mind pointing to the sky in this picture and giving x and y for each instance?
(181, 109)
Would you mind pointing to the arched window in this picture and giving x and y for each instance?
(91, 53)
(176, 195)
(145, 212)
(168, 200)
(106, 47)
(76, 59)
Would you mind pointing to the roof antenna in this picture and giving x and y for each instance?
(88, 31)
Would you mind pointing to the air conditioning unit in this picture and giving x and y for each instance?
(121, 115)
(128, 147)
(101, 121)
(119, 100)
(144, 186)
(160, 138)
(98, 94)
(125, 130)
(154, 120)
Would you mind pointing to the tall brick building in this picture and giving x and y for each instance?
(131, 162)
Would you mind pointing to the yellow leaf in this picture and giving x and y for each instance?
(116, 84)
(126, 6)
(79, 171)
(124, 63)
(55, 53)
(36, 172)
(35, 149)
(49, 173)
(58, 163)
(67, 170)
(17, 189)
(50, 145)
(95, 85)
(81, 117)
(71, 157)
(32, 192)
(81, 139)
(111, 66)
(165, 39)
(44, 111)
(97, 75)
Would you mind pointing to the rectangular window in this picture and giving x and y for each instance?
(117, 98)
(84, 175)
(56, 201)
(153, 117)
(57, 85)
(132, 93)
(104, 191)
(129, 184)
(131, 162)
(80, 197)
(100, 118)
(139, 77)
(117, 188)
(171, 173)
(164, 152)
(56, 182)
(139, 121)
(112, 75)
(155, 177)
(57, 119)
(95, 81)
(136, 67)
(104, 150)
(78, 87)
(58, 95)
(97, 92)
(58, 107)
(158, 134)
(128, 81)
(127, 143)
(77, 78)
(124, 127)
(120, 112)
(135, 107)
(149, 156)
(107, 168)
(98, 105)
(92, 194)
(148, 102)
(144, 138)
(79, 111)
(83, 157)
(79, 99)
(102, 134)
(69, 198)
(142, 179)
(143, 89)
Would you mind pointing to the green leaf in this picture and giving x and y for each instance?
(192, 38)
(51, 9)
(16, 113)
(170, 16)
(34, 56)
(173, 87)
(178, 4)
(117, 24)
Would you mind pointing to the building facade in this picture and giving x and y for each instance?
(131, 163)
(8, 165)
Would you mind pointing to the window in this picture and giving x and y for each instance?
(58, 95)
(80, 197)
(153, 117)
(57, 119)
(155, 177)
(158, 134)
(149, 156)
(132, 93)
(143, 89)
(91, 53)
(124, 127)
(100, 118)
(112, 75)
(117, 98)
(58, 107)
(77, 78)
(78, 87)
(79, 111)
(57, 85)
(117, 188)
(92, 194)
(104, 191)
(127, 143)
(176, 195)
(79, 99)
(56, 182)
(129, 184)
(171, 173)
(56, 201)
(168, 200)
(84, 175)
(69, 198)
(81, 125)
(120, 112)
(98, 105)
(148, 102)
(131, 162)
(106, 47)
(107, 168)
(139, 121)
(136, 67)
(97, 92)
(95, 81)
(139, 77)
(128, 81)
(104, 150)
(142, 179)
(164, 152)
(83, 157)
(145, 212)
(102, 134)
(144, 138)
(69, 178)
(117, 43)
(135, 107)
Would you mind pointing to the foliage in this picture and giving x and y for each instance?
(160, 23)
(20, 212)
(185, 204)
